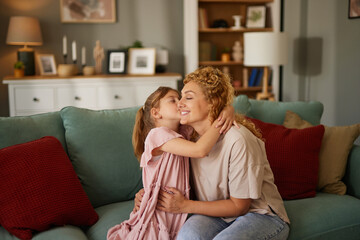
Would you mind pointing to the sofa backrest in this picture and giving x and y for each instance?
(100, 148)
(16, 130)
(274, 112)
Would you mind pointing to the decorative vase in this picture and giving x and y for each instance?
(19, 72)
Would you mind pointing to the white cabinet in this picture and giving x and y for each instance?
(38, 94)
(81, 96)
(116, 96)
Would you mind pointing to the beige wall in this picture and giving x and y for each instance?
(324, 58)
(157, 23)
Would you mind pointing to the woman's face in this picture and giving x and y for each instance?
(193, 106)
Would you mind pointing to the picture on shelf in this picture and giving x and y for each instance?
(255, 17)
(141, 61)
(96, 11)
(47, 65)
(116, 61)
(354, 8)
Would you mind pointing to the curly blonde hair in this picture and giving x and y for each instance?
(219, 92)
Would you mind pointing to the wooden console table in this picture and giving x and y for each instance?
(39, 94)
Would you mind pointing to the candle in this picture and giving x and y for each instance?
(83, 56)
(74, 51)
(64, 45)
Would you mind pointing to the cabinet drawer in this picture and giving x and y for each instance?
(83, 97)
(116, 97)
(34, 98)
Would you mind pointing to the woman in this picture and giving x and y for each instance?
(234, 185)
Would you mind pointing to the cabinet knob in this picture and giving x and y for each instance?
(77, 98)
(36, 99)
(117, 97)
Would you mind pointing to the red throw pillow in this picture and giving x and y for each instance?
(293, 155)
(40, 189)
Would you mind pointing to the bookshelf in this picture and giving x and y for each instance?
(199, 31)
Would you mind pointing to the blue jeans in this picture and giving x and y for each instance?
(250, 226)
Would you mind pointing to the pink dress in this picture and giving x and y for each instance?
(158, 171)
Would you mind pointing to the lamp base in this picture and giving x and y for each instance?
(27, 57)
(265, 96)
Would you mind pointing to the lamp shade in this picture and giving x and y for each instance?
(24, 31)
(265, 48)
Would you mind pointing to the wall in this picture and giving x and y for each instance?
(324, 55)
(157, 23)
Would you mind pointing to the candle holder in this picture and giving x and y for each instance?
(65, 57)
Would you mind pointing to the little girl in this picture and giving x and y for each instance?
(160, 143)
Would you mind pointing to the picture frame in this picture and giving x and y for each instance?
(116, 61)
(354, 9)
(255, 17)
(77, 11)
(47, 65)
(142, 61)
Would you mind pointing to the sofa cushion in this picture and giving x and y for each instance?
(100, 148)
(327, 216)
(110, 215)
(39, 189)
(352, 176)
(293, 155)
(15, 130)
(333, 153)
(241, 104)
(274, 112)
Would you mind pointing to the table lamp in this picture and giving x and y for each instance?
(264, 49)
(25, 31)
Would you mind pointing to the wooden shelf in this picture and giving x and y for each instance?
(249, 91)
(237, 1)
(220, 63)
(80, 76)
(230, 30)
(214, 41)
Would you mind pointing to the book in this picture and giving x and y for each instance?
(203, 20)
(205, 50)
(259, 77)
(252, 78)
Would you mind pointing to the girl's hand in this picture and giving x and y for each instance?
(173, 202)
(138, 199)
(227, 119)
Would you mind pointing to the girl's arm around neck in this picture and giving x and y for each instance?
(198, 149)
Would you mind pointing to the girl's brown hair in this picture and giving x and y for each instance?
(144, 122)
(219, 93)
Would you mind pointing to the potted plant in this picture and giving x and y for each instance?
(19, 69)
(225, 56)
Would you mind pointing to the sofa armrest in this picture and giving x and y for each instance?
(352, 175)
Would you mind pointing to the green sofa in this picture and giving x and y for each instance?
(99, 146)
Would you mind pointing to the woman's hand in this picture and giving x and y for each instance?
(172, 201)
(227, 119)
(138, 199)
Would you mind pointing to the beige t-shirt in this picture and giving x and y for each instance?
(237, 166)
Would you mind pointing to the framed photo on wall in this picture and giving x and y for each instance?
(47, 65)
(354, 9)
(78, 11)
(141, 61)
(255, 17)
(117, 61)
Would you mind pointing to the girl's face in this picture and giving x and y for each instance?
(169, 106)
(193, 106)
